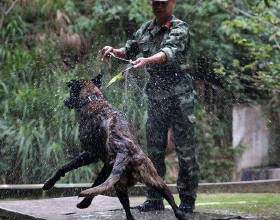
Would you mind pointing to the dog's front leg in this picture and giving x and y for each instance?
(83, 159)
(102, 176)
(122, 194)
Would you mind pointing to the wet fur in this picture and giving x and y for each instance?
(105, 136)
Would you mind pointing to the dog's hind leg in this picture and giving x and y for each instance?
(122, 194)
(83, 159)
(165, 192)
(150, 177)
(102, 176)
(121, 162)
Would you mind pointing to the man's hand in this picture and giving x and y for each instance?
(118, 52)
(106, 50)
(141, 62)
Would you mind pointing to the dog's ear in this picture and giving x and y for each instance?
(71, 83)
(98, 79)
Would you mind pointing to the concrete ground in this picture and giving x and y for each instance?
(103, 207)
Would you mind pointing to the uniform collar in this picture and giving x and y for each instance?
(165, 25)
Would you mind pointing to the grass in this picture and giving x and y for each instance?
(262, 205)
(257, 205)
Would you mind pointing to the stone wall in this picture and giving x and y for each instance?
(252, 129)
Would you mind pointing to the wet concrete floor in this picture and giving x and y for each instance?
(102, 207)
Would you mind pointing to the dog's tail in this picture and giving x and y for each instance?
(120, 164)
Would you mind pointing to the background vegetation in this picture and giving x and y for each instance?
(234, 59)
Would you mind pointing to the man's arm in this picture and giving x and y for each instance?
(160, 57)
(140, 62)
(131, 48)
(174, 47)
(177, 43)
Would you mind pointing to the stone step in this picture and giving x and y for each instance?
(260, 174)
(65, 190)
(102, 207)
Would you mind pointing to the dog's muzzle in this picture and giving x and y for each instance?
(69, 103)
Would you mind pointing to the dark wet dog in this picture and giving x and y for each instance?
(105, 136)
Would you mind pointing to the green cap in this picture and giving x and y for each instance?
(160, 0)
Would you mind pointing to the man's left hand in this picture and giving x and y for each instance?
(140, 62)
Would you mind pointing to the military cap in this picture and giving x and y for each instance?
(160, 0)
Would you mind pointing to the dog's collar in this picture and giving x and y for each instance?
(88, 99)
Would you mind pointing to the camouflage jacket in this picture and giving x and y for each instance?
(173, 39)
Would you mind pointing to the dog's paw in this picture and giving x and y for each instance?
(130, 218)
(85, 203)
(48, 185)
(180, 215)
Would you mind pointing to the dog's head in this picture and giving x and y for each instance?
(80, 89)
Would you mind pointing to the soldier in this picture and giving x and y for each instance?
(164, 43)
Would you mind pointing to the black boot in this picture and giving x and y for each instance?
(151, 205)
(187, 205)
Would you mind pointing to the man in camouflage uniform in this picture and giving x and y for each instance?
(164, 43)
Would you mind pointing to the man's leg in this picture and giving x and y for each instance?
(188, 177)
(183, 127)
(156, 131)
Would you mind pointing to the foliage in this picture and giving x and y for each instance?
(238, 45)
(235, 44)
(37, 133)
(214, 150)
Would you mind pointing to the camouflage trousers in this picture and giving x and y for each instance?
(176, 111)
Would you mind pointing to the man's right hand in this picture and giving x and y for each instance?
(118, 52)
(106, 50)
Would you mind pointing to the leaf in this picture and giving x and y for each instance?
(266, 3)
